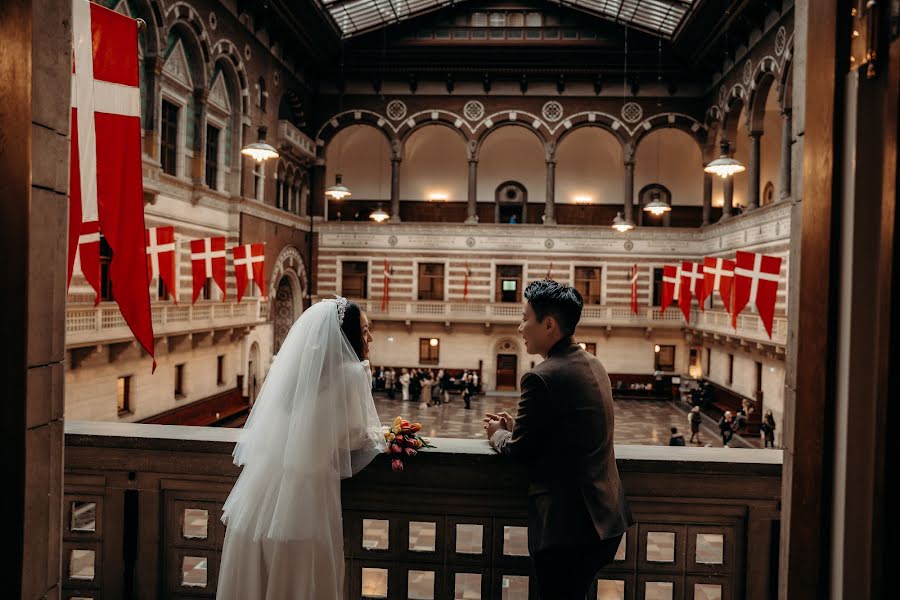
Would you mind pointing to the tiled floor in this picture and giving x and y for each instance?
(637, 421)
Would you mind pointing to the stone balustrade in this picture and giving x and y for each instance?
(142, 507)
(291, 138)
(102, 324)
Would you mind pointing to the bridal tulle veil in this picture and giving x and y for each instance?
(313, 424)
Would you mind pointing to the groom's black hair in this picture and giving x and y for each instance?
(352, 328)
(561, 301)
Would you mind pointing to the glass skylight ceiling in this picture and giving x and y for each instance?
(660, 17)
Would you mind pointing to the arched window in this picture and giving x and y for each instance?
(511, 203)
(263, 94)
(648, 193)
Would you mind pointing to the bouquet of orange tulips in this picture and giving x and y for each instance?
(403, 439)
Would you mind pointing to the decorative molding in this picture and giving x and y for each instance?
(177, 68)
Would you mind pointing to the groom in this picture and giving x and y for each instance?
(563, 433)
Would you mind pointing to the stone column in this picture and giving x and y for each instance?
(472, 205)
(153, 71)
(753, 172)
(198, 163)
(550, 200)
(396, 158)
(628, 208)
(784, 178)
(707, 197)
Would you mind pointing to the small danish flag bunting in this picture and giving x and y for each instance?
(160, 244)
(634, 289)
(208, 260)
(386, 286)
(466, 282)
(691, 283)
(250, 264)
(756, 278)
(671, 287)
(718, 276)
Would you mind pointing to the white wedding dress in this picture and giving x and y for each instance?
(313, 424)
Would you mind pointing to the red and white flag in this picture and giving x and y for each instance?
(466, 282)
(208, 260)
(634, 289)
(160, 244)
(671, 286)
(718, 276)
(105, 188)
(386, 286)
(756, 278)
(691, 284)
(250, 265)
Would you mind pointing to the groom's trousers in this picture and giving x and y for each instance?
(567, 572)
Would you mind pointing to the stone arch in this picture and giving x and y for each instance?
(227, 53)
(760, 87)
(689, 125)
(287, 289)
(440, 117)
(289, 261)
(644, 196)
(786, 85)
(182, 13)
(543, 139)
(197, 56)
(341, 121)
(601, 121)
(734, 104)
(511, 194)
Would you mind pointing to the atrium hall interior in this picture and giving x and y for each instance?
(430, 159)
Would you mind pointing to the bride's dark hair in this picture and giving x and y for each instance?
(352, 328)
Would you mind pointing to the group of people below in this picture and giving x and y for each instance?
(729, 424)
(426, 386)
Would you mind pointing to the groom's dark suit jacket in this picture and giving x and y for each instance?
(564, 435)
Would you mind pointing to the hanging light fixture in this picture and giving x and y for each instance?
(379, 215)
(259, 150)
(338, 191)
(657, 206)
(724, 166)
(621, 225)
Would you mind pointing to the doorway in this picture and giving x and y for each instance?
(507, 372)
(509, 283)
(511, 202)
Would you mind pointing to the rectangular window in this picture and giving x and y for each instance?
(429, 351)
(431, 281)
(533, 19)
(212, 157)
(168, 154)
(220, 369)
(354, 279)
(106, 291)
(665, 358)
(123, 395)
(657, 286)
(590, 347)
(515, 19)
(497, 19)
(479, 19)
(179, 381)
(509, 283)
(730, 379)
(587, 281)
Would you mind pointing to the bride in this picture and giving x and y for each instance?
(313, 424)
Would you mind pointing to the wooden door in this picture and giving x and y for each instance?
(507, 371)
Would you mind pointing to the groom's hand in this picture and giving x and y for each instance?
(506, 420)
(492, 426)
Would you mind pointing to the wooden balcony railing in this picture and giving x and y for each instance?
(105, 324)
(143, 504)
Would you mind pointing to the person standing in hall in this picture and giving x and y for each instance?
(415, 385)
(404, 383)
(676, 439)
(726, 427)
(446, 382)
(467, 391)
(437, 390)
(425, 392)
(768, 429)
(563, 436)
(695, 419)
(389, 381)
(474, 383)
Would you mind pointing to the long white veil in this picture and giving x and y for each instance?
(313, 424)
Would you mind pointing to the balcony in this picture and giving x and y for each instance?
(142, 507)
(295, 142)
(717, 323)
(104, 324)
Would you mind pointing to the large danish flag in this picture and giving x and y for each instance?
(634, 289)
(160, 244)
(718, 276)
(756, 278)
(105, 188)
(250, 264)
(691, 284)
(208, 260)
(671, 287)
